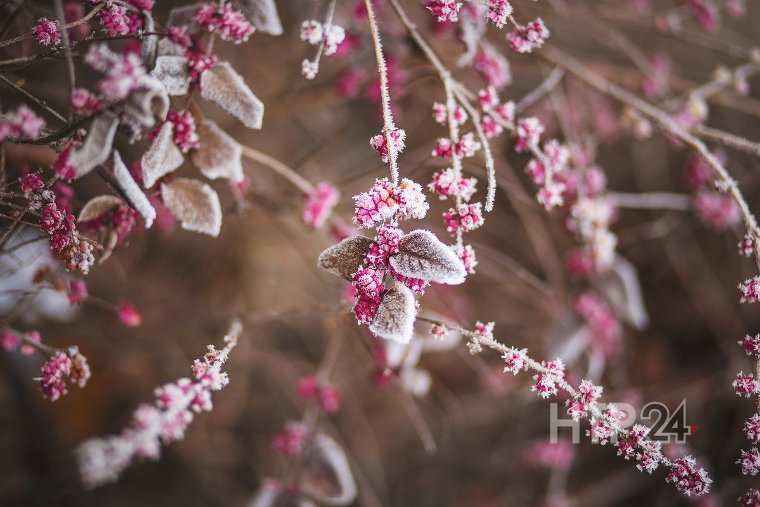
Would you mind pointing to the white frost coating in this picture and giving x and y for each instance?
(172, 71)
(99, 206)
(97, 145)
(223, 86)
(218, 155)
(194, 204)
(340, 489)
(148, 103)
(263, 15)
(162, 157)
(422, 255)
(415, 381)
(344, 258)
(621, 286)
(395, 317)
(184, 16)
(134, 194)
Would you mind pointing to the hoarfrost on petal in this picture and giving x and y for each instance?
(344, 258)
(218, 155)
(422, 255)
(162, 157)
(223, 86)
(195, 204)
(132, 190)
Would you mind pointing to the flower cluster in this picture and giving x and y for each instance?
(185, 134)
(84, 102)
(21, 124)
(68, 366)
(124, 72)
(290, 441)
(529, 37)
(499, 12)
(392, 145)
(46, 32)
(102, 460)
(384, 201)
(327, 395)
(463, 218)
(315, 33)
(447, 183)
(444, 10)
(229, 23)
(65, 240)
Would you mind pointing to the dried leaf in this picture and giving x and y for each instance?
(97, 145)
(99, 206)
(172, 71)
(422, 255)
(218, 155)
(162, 157)
(151, 101)
(263, 15)
(327, 475)
(195, 204)
(226, 88)
(621, 286)
(395, 317)
(344, 258)
(132, 191)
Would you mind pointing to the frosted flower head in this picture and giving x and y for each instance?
(53, 376)
(229, 23)
(748, 245)
(514, 360)
(499, 12)
(115, 20)
(444, 10)
(467, 255)
(751, 498)
(446, 184)
(745, 386)
(751, 345)
(493, 67)
(334, 38)
(529, 37)
(185, 133)
(749, 290)
(311, 31)
(716, 209)
(128, 315)
(377, 205)
(528, 132)
(46, 32)
(752, 428)
(319, 204)
(465, 218)
(488, 98)
(397, 143)
(84, 102)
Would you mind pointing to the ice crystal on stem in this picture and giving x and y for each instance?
(102, 460)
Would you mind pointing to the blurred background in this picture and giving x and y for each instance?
(469, 440)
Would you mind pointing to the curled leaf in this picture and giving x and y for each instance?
(172, 71)
(620, 285)
(99, 206)
(162, 157)
(132, 191)
(327, 475)
(263, 15)
(97, 145)
(422, 255)
(344, 258)
(218, 155)
(395, 316)
(223, 86)
(151, 101)
(195, 204)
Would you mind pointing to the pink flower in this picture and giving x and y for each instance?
(53, 376)
(656, 83)
(749, 290)
(751, 345)
(84, 102)
(115, 20)
(9, 339)
(386, 244)
(319, 204)
(376, 206)
(444, 10)
(629, 442)
(291, 440)
(446, 184)
(199, 62)
(128, 315)
(465, 218)
(379, 143)
(745, 385)
(46, 32)
(514, 360)
(185, 134)
(752, 428)
(307, 387)
(499, 12)
(329, 398)
(51, 218)
(493, 67)
(22, 124)
(545, 383)
(580, 263)
(348, 84)
(31, 182)
(466, 254)
(600, 318)
(528, 133)
(555, 455)
(706, 13)
(716, 209)
(368, 283)
(230, 24)
(580, 405)
(750, 461)
(527, 38)
(748, 245)
(77, 291)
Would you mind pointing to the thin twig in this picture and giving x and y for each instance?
(34, 99)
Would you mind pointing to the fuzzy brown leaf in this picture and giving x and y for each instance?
(395, 317)
(97, 145)
(223, 86)
(132, 190)
(422, 255)
(162, 157)
(172, 71)
(218, 155)
(344, 258)
(195, 204)
(99, 206)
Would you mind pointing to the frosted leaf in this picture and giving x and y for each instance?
(173, 73)
(223, 86)
(168, 48)
(132, 191)
(263, 15)
(422, 255)
(218, 155)
(275, 495)
(149, 42)
(148, 103)
(327, 475)
(344, 258)
(195, 204)
(162, 157)
(97, 145)
(395, 316)
(184, 16)
(621, 286)
(99, 206)
(415, 381)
